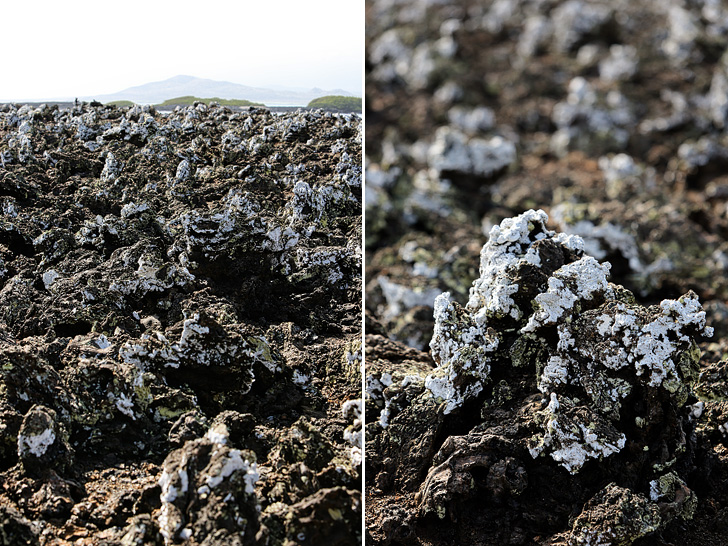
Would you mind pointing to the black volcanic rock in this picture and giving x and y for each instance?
(179, 297)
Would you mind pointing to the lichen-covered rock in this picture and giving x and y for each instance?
(353, 434)
(453, 152)
(176, 292)
(587, 121)
(43, 441)
(547, 359)
(597, 348)
(338, 508)
(208, 493)
(615, 516)
(575, 20)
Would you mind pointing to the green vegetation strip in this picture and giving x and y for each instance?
(189, 100)
(337, 102)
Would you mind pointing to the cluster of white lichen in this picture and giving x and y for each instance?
(389, 393)
(572, 435)
(607, 353)
(454, 151)
(462, 349)
(192, 344)
(310, 210)
(237, 223)
(461, 344)
(588, 119)
(602, 239)
(197, 346)
(42, 439)
(145, 270)
(570, 284)
(510, 245)
(353, 434)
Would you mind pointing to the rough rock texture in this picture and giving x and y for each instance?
(552, 407)
(179, 326)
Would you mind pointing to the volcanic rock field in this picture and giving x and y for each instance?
(180, 326)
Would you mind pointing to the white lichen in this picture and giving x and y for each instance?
(36, 444)
(454, 151)
(111, 170)
(508, 244)
(234, 462)
(218, 434)
(353, 434)
(102, 342)
(571, 443)
(174, 483)
(125, 405)
(555, 373)
(168, 523)
(401, 298)
(49, 277)
(132, 209)
(300, 378)
(577, 281)
(462, 351)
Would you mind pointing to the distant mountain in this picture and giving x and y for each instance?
(179, 86)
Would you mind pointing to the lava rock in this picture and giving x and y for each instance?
(179, 287)
(43, 441)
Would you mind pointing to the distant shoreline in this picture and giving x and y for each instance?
(70, 104)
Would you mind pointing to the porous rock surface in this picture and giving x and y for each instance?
(566, 392)
(179, 326)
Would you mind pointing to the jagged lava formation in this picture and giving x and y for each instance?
(179, 326)
(559, 407)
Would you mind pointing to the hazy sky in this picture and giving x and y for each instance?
(63, 49)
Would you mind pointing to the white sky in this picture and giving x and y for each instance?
(63, 49)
